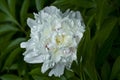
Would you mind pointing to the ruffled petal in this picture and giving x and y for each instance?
(31, 23)
(52, 11)
(23, 45)
(46, 65)
(31, 58)
(58, 70)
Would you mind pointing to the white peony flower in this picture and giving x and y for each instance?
(54, 39)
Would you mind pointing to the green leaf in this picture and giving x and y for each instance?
(4, 17)
(37, 75)
(5, 40)
(83, 45)
(115, 52)
(119, 20)
(74, 78)
(104, 50)
(102, 11)
(115, 69)
(4, 7)
(15, 43)
(7, 28)
(12, 4)
(108, 26)
(91, 19)
(40, 78)
(90, 70)
(22, 70)
(73, 4)
(61, 78)
(105, 71)
(24, 11)
(82, 3)
(75, 67)
(68, 74)
(11, 46)
(10, 77)
(12, 57)
(36, 71)
(14, 66)
(40, 4)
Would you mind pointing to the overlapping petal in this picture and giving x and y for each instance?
(54, 39)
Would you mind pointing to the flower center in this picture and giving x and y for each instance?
(60, 39)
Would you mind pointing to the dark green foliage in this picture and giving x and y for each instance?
(98, 52)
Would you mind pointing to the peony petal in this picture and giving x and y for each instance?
(31, 23)
(46, 65)
(52, 11)
(36, 58)
(78, 15)
(23, 45)
(58, 70)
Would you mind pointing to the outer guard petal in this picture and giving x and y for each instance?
(31, 23)
(35, 59)
(58, 70)
(46, 65)
(23, 45)
(52, 10)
